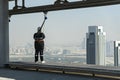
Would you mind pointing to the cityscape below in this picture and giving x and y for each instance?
(61, 54)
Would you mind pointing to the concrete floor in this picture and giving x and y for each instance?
(10, 74)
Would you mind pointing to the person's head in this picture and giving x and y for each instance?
(39, 29)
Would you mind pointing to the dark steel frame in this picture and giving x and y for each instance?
(63, 6)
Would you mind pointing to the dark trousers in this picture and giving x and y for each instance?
(37, 53)
(39, 47)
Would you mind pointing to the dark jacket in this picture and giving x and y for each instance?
(39, 42)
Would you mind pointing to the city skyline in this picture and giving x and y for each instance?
(73, 55)
(66, 50)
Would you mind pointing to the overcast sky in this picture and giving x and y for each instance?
(66, 26)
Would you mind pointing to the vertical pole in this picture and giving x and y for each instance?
(16, 6)
(16, 3)
(23, 3)
(4, 33)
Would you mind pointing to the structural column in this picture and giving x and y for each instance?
(4, 33)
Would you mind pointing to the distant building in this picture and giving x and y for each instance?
(110, 48)
(116, 53)
(83, 43)
(65, 51)
(96, 45)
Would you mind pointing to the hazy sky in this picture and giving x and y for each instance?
(65, 26)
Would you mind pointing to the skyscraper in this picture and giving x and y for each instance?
(116, 53)
(96, 45)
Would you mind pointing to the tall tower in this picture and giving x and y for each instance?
(96, 45)
(116, 53)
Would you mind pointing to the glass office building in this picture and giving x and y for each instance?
(96, 45)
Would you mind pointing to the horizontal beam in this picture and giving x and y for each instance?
(64, 6)
(92, 70)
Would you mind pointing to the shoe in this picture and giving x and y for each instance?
(36, 62)
(43, 61)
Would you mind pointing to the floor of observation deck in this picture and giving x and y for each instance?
(11, 74)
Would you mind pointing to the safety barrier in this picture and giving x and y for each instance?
(76, 69)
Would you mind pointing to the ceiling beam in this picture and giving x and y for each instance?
(64, 6)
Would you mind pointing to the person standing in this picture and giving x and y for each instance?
(39, 37)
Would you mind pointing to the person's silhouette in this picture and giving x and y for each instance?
(39, 45)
